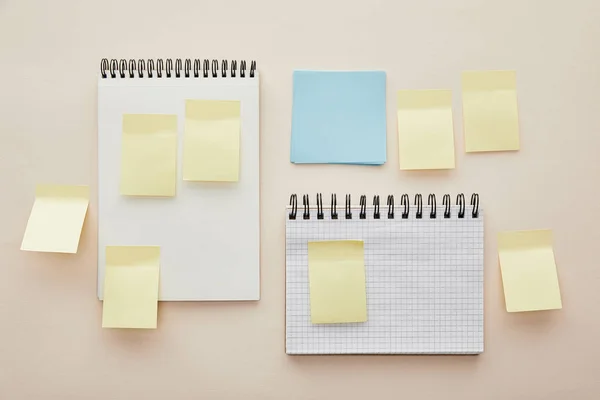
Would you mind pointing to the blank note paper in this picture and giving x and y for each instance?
(425, 130)
(149, 155)
(131, 287)
(56, 219)
(211, 144)
(337, 282)
(491, 121)
(528, 271)
(339, 117)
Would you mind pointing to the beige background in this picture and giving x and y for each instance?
(51, 343)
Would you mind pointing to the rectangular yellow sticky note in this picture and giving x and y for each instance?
(131, 287)
(149, 155)
(56, 218)
(491, 120)
(336, 271)
(211, 142)
(425, 129)
(528, 271)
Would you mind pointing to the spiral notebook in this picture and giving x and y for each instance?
(423, 269)
(208, 231)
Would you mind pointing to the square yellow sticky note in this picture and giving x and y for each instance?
(425, 129)
(491, 120)
(131, 287)
(149, 155)
(528, 271)
(56, 218)
(336, 271)
(211, 142)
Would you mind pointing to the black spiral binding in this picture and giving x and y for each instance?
(446, 202)
(363, 207)
(404, 202)
(475, 204)
(319, 206)
(348, 207)
(293, 206)
(419, 204)
(178, 68)
(433, 204)
(334, 214)
(460, 202)
(305, 203)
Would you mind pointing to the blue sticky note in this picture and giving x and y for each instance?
(338, 117)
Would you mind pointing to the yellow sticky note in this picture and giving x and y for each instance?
(528, 271)
(56, 218)
(336, 272)
(491, 120)
(211, 142)
(131, 287)
(425, 129)
(149, 155)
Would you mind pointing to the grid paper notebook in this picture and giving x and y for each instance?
(210, 243)
(424, 282)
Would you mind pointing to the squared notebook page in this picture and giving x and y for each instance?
(209, 231)
(424, 284)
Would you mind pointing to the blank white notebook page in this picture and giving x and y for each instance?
(424, 282)
(209, 231)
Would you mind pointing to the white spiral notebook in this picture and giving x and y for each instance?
(423, 269)
(208, 232)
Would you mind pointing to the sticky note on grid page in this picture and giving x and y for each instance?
(528, 271)
(211, 143)
(490, 113)
(149, 155)
(338, 117)
(425, 129)
(56, 219)
(337, 282)
(131, 287)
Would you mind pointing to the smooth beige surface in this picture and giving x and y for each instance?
(51, 342)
